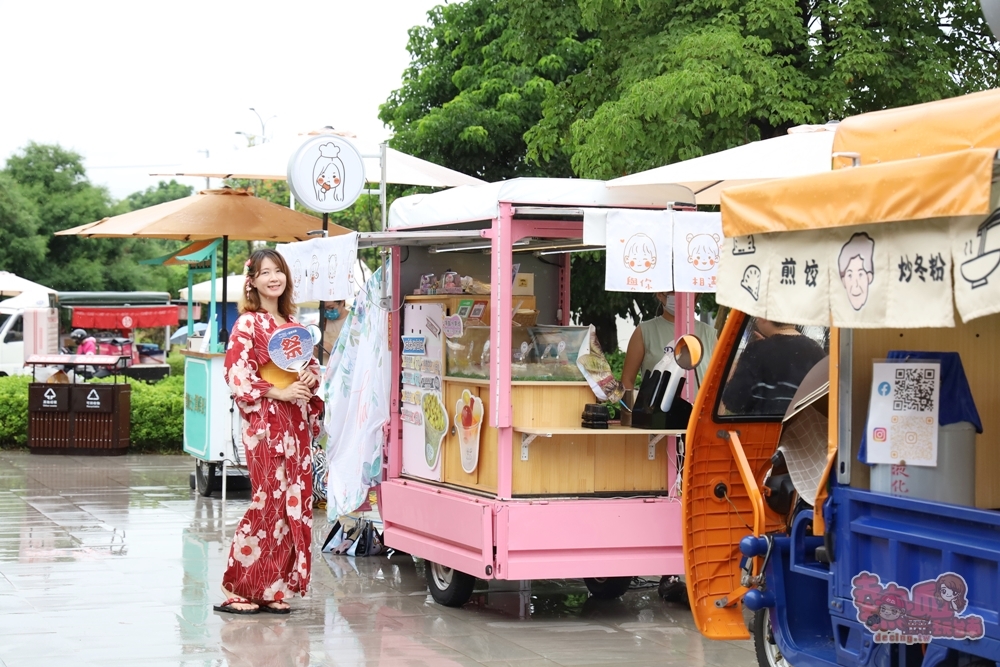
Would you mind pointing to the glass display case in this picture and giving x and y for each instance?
(538, 354)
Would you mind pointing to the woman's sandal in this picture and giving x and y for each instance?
(268, 609)
(228, 608)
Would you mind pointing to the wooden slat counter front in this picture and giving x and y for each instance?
(567, 459)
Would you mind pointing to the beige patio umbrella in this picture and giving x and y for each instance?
(210, 214)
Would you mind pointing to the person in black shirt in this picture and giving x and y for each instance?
(770, 370)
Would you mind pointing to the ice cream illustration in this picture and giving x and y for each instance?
(469, 421)
(435, 426)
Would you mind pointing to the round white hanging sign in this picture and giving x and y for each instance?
(326, 173)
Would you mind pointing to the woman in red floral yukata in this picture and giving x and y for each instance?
(270, 557)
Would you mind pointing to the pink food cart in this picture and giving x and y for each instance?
(489, 473)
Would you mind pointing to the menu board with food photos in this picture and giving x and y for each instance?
(425, 419)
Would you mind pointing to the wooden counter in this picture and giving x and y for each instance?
(552, 453)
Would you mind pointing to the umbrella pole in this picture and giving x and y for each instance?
(190, 313)
(322, 304)
(224, 333)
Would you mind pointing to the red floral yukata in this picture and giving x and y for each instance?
(270, 558)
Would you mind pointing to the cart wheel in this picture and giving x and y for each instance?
(608, 588)
(768, 653)
(204, 475)
(449, 587)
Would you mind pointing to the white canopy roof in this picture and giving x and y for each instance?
(12, 284)
(804, 150)
(30, 299)
(470, 203)
(270, 162)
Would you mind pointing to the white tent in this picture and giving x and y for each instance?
(270, 162)
(30, 299)
(481, 202)
(804, 150)
(12, 285)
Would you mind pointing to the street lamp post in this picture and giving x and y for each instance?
(263, 125)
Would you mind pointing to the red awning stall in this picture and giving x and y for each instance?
(126, 318)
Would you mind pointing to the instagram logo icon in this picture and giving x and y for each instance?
(879, 434)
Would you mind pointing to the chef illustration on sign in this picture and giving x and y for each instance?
(857, 268)
(328, 172)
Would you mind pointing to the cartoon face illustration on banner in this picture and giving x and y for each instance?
(856, 263)
(703, 251)
(640, 253)
(326, 173)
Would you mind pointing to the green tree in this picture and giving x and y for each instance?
(52, 185)
(22, 250)
(674, 79)
(475, 85)
(151, 196)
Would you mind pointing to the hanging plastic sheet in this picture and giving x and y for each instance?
(356, 391)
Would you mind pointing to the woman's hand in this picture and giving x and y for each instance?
(297, 391)
(310, 377)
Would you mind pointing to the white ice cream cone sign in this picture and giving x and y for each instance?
(468, 423)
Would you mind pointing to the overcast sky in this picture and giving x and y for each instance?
(133, 85)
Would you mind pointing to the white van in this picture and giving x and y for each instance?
(29, 324)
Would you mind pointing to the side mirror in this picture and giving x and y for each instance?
(688, 351)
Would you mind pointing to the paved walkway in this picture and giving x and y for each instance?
(115, 561)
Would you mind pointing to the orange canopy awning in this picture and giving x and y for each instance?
(922, 130)
(940, 186)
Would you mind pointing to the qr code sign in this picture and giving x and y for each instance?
(913, 389)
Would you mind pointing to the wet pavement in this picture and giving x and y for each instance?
(116, 561)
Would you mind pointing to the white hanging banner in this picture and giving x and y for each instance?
(894, 275)
(697, 241)
(639, 251)
(903, 413)
(321, 269)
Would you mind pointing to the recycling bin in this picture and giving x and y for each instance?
(90, 419)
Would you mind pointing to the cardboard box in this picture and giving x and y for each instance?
(524, 284)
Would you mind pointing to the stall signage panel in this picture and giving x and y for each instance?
(903, 413)
(893, 275)
(639, 252)
(697, 248)
(453, 326)
(326, 173)
(424, 416)
(49, 399)
(91, 398)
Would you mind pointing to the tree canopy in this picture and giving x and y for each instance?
(45, 189)
(674, 79)
(603, 88)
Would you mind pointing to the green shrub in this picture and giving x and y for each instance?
(176, 361)
(14, 411)
(157, 414)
